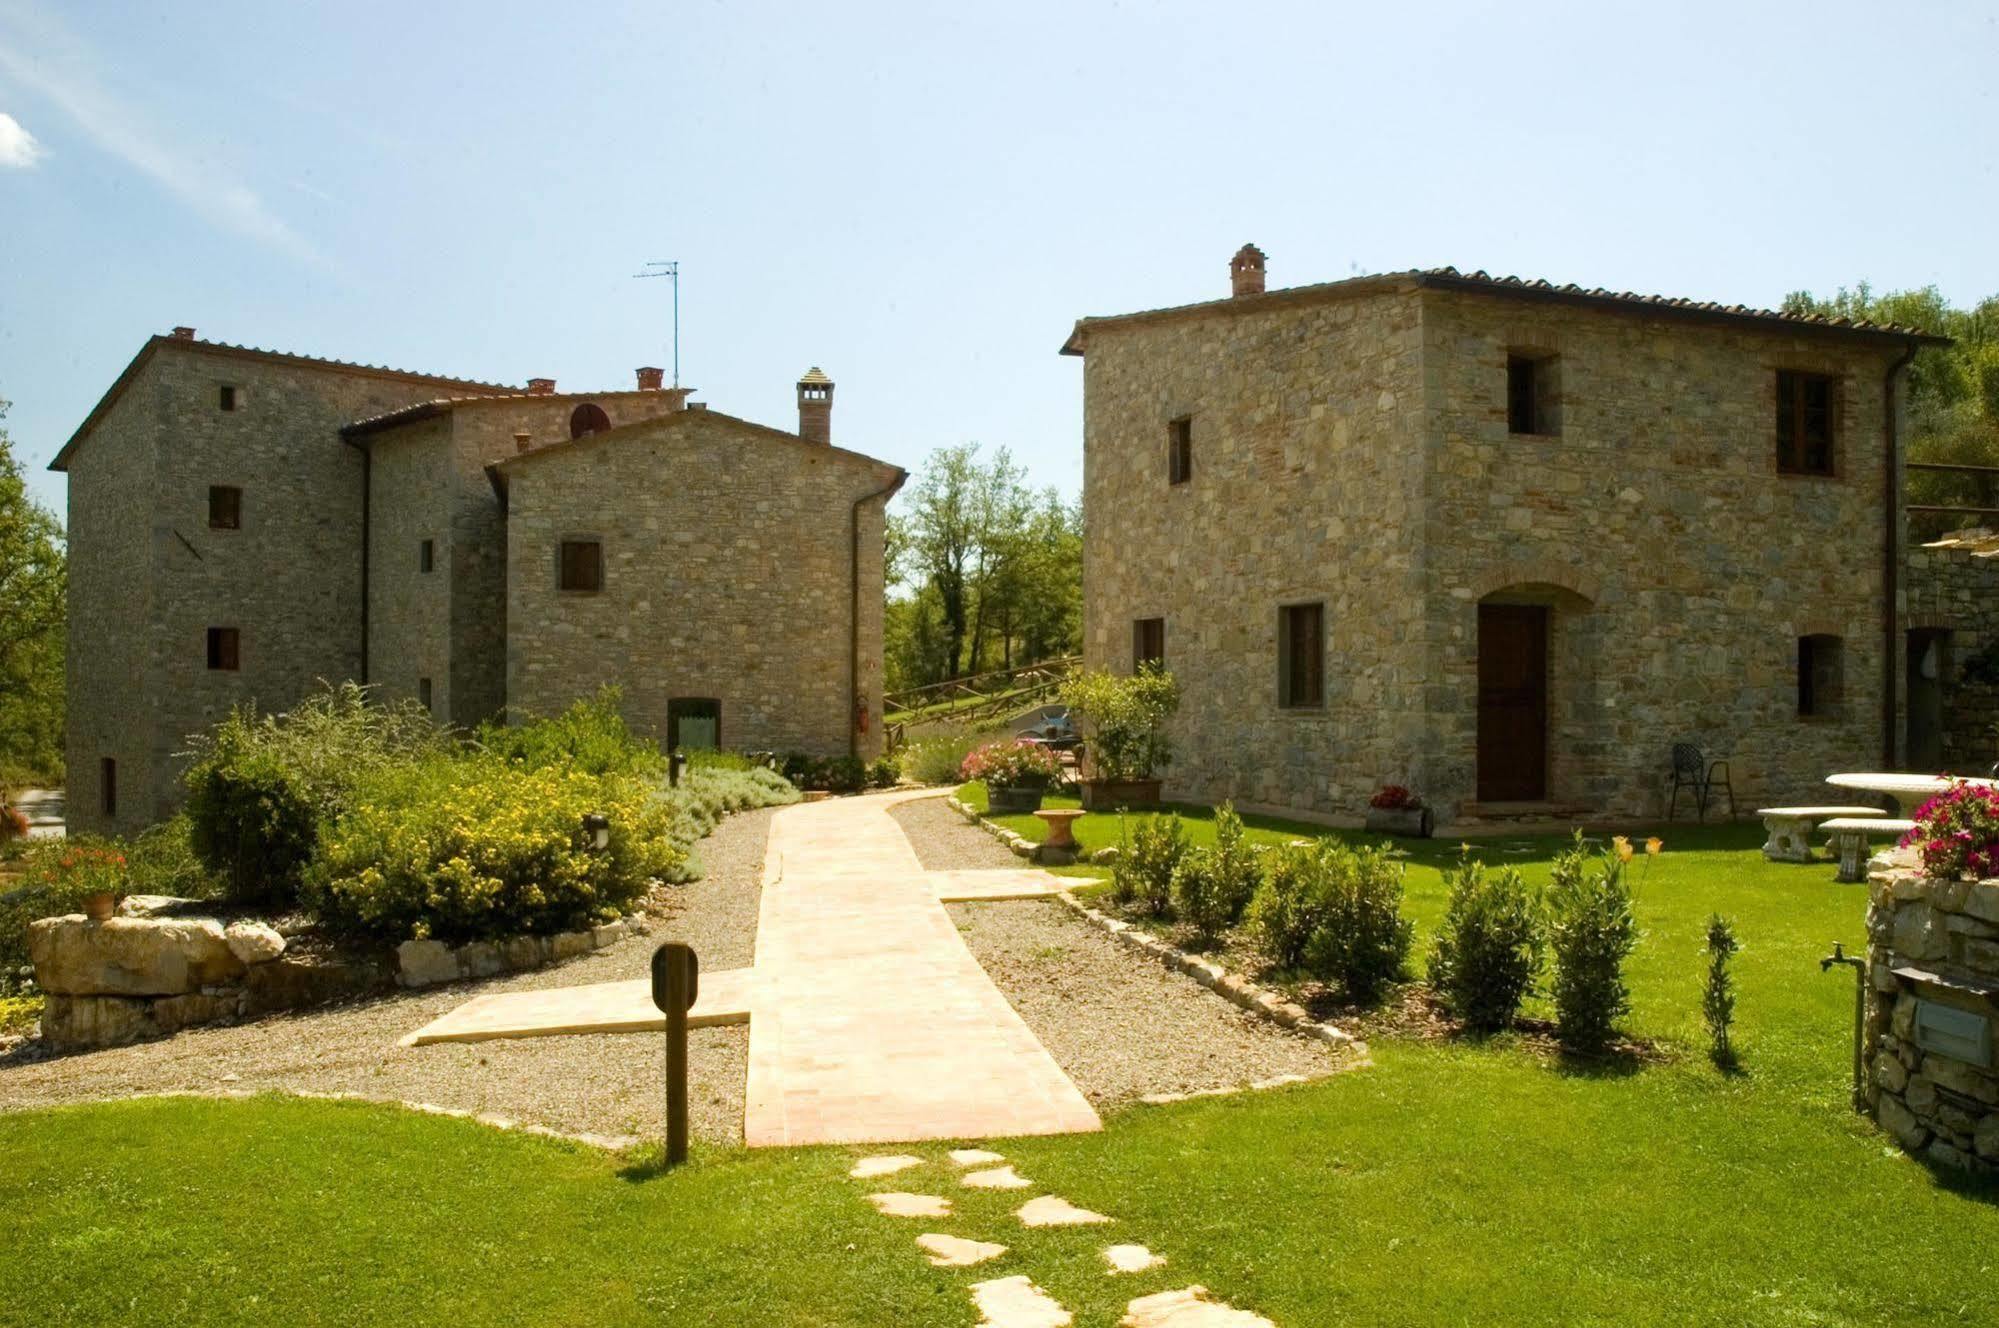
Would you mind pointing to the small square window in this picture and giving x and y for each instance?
(1805, 407)
(1148, 642)
(227, 398)
(581, 566)
(1530, 394)
(1180, 450)
(223, 648)
(693, 722)
(1301, 656)
(225, 507)
(426, 556)
(107, 786)
(1821, 674)
(423, 692)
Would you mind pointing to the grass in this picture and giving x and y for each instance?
(1451, 1184)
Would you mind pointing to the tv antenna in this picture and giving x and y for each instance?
(671, 270)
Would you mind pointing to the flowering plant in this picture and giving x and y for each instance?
(1015, 764)
(1957, 832)
(1394, 798)
(77, 871)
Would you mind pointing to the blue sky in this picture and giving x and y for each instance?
(922, 198)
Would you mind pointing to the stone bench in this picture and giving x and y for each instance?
(1789, 829)
(1849, 841)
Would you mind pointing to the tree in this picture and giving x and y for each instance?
(34, 579)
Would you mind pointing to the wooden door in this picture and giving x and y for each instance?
(1512, 703)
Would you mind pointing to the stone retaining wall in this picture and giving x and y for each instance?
(1933, 991)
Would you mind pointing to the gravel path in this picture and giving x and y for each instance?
(1121, 1025)
(602, 1084)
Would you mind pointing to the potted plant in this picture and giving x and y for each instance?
(93, 877)
(1016, 774)
(1124, 724)
(1396, 810)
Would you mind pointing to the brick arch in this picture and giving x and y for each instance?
(1935, 620)
(1537, 572)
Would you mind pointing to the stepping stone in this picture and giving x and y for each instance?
(1188, 1307)
(898, 1204)
(956, 1251)
(1131, 1258)
(1015, 1302)
(1051, 1211)
(997, 1178)
(975, 1157)
(869, 1167)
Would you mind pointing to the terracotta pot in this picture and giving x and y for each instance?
(1107, 795)
(100, 906)
(1414, 821)
(1014, 799)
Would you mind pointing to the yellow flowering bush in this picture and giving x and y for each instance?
(467, 846)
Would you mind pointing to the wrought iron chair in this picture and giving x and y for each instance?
(1693, 770)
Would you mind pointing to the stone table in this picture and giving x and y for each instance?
(1060, 848)
(1788, 830)
(1908, 791)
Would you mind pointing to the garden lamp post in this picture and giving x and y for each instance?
(597, 830)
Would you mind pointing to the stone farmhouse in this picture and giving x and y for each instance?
(245, 523)
(1499, 541)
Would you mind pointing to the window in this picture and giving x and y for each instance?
(225, 507)
(1180, 450)
(423, 692)
(1531, 406)
(1821, 674)
(587, 419)
(581, 566)
(227, 397)
(1301, 656)
(222, 648)
(107, 786)
(693, 721)
(1804, 423)
(426, 556)
(1148, 642)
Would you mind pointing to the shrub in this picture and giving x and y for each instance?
(590, 736)
(938, 759)
(1593, 930)
(1149, 852)
(1125, 718)
(1490, 946)
(844, 774)
(162, 861)
(1012, 763)
(1362, 939)
(1212, 887)
(463, 847)
(1291, 904)
(1718, 999)
(885, 771)
(259, 788)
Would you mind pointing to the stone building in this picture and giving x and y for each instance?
(1500, 541)
(244, 524)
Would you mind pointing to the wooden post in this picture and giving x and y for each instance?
(675, 984)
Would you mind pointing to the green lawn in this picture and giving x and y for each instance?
(1447, 1185)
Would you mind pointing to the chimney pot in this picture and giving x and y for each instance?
(523, 440)
(815, 407)
(651, 379)
(541, 387)
(183, 334)
(1246, 271)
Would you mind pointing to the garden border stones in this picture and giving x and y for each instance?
(1232, 987)
(428, 963)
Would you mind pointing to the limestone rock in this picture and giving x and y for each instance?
(1188, 1307)
(149, 906)
(1015, 1302)
(253, 942)
(288, 983)
(897, 1204)
(173, 1013)
(1982, 901)
(1131, 1258)
(1888, 1072)
(130, 956)
(956, 1251)
(975, 1157)
(570, 944)
(1897, 1120)
(869, 1167)
(997, 1178)
(73, 1022)
(1986, 1138)
(1052, 1211)
(424, 963)
(480, 959)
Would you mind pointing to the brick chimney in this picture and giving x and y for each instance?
(651, 379)
(1246, 271)
(523, 440)
(815, 407)
(183, 334)
(541, 387)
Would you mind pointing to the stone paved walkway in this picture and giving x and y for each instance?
(870, 1021)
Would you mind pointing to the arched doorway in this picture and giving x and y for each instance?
(1534, 658)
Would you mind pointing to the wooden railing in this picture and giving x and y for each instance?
(983, 696)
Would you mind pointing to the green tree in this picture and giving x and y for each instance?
(34, 578)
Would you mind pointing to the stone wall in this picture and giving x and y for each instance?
(727, 549)
(1933, 974)
(1953, 592)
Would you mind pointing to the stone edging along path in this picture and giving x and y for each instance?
(1232, 987)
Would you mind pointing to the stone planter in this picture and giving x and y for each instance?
(1014, 799)
(1413, 821)
(1108, 795)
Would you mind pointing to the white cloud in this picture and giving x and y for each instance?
(18, 147)
(37, 52)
